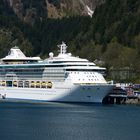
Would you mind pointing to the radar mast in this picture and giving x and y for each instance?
(63, 48)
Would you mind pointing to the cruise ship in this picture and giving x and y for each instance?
(62, 78)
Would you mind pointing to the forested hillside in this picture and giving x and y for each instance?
(111, 36)
(114, 35)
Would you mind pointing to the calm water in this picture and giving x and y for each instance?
(59, 121)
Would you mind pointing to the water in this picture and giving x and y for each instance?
(59, 121)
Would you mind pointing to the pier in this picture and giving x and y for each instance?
(121, 99)
(115, 99)
(123, 95)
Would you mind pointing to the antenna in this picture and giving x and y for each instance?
(63, 48)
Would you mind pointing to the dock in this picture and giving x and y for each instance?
(123, 95)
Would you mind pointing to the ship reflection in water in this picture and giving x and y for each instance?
(60, 121)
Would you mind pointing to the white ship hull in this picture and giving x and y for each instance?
(75, 93)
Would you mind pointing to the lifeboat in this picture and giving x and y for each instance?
(37, 84)
(15, 83)
(43, 84)
(32, 83)
(3, 83)
(49, 84)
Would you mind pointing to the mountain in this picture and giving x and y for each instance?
(105, 30)
(61, 8)
(30, 10)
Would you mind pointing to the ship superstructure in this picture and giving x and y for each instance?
(62, 78)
